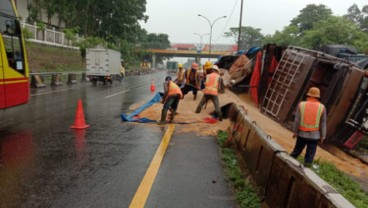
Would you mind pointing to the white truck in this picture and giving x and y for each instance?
(103, 65)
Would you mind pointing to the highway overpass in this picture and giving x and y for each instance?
(193, 51)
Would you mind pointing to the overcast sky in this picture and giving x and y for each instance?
(179, 18)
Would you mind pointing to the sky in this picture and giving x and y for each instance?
(179, 18)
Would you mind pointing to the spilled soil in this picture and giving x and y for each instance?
(192, 122)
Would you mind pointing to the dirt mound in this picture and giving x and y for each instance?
(191, 122)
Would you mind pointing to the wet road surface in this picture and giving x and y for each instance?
(45, 163)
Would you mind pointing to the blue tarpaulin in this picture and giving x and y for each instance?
(130, 117)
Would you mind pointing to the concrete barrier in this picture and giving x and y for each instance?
(83, 77)
(261, 154)
(72, 79)
(56, 80)
(282, 181)
(37, 81)
(288, 187)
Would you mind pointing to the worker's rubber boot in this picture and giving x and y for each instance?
(198, 110)
(173, 113)
(220, 116)
(163, 117)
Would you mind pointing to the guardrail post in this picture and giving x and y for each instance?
(56, 80)
(72, 78)
(83, 78)
(37, 81)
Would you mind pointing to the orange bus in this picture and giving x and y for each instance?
(14, 74)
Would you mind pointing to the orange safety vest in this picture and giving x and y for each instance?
(211, 84)
(310, 115)
(174, 89)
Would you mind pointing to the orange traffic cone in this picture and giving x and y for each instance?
(153, 86)
(79, 122)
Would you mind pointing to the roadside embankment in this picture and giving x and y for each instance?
(43, 58)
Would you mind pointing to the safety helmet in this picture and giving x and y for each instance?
(168, 78)
(215, 67)
(208, 65)
(180, 65)
(314, 92)
(194, 66)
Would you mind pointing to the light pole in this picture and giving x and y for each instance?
(211, 25)
(240, 24)
(201, 36)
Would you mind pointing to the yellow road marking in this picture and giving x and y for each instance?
(140, 197)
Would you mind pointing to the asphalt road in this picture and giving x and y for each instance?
(45, 163)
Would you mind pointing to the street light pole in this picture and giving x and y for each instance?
(211, 25)
(240, 23)
(201, 36)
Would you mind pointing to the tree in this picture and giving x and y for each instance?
(310, 15)
(160, 41)
(89, 42)
(105, 19)
(50, 7)
(359, 17)
(157, 41)
(116, 22)
(249, 36)
(128, 54)
(335, 30)
(288, 36)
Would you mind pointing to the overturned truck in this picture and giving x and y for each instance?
(343, 91)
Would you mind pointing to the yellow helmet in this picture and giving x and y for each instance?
(180, 65)
(208, 65)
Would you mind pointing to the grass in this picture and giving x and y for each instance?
(43, 58)
(342, 183)
(247, 197)
(245, 194)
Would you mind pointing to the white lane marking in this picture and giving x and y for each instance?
(45, 93)
(109, 96)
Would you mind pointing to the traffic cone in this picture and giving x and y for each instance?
(153, 86)
(79, 122)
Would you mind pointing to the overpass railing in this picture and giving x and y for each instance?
(188, 47)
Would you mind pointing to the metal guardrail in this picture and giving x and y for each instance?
(38, 79)
(51, 73)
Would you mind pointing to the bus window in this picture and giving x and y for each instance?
(10, 28)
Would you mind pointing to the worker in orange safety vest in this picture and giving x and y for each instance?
(191, 80)
(170, 99)
(213, 85)
(310, 126)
